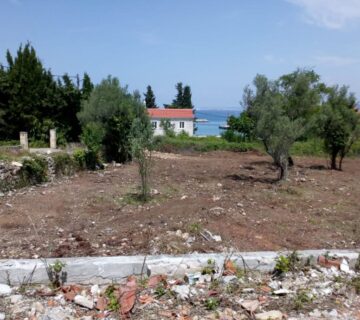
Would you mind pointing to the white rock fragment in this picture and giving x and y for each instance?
(269, 315)
(5, 290)
(84, 302)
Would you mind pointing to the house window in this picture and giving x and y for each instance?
(154, 124)
(182, 124)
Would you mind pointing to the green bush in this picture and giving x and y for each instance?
(80, 158)
(9, 143)
(34, 171)
(65, 165)
(38, 144)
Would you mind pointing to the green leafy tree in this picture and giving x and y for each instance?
(142, 144)
(339, 124)
(244, 125)
(112, 107)
(274, 127)
(186, 101)
(150, 98)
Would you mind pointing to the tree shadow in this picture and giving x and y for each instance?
(250, 178)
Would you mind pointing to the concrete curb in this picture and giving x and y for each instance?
(101, 270)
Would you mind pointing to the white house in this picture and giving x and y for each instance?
(180, 119)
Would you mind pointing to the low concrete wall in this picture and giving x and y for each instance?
(107, 269)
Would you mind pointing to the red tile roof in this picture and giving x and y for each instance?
(171, 113)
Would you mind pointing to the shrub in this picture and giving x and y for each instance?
(113, 108)
(64, 164)
(34, 170)
(80, 158)
(141, 147)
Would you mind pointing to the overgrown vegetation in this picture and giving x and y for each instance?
(34, 170)
(64, 164)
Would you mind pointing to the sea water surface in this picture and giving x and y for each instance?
(216, 118)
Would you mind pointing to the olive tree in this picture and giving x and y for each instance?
(141, 139)
(339, 124)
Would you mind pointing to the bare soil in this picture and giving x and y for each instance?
(234, 195)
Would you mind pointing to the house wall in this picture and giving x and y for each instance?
(188, 126)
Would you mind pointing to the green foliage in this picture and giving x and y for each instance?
(113, 301)
(150, 98)
(212, 303)
(339, 124)
(141, 138)
(210, 267)
(32, 100)
(113, 108)
(287, 263)
(80, 158)
(182, 99)
(168, 128)
(195, 228)
(301, 299)
(160, 290)
(56, 274)
(355, 283)
(9, 143)
(65, 164)
(201, 144)
(34, 170)
(240, 128)
(274, 126)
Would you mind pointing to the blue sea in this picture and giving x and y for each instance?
(215, 119)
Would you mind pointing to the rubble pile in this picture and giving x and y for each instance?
(328, 290)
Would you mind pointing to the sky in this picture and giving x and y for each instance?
(215, 46)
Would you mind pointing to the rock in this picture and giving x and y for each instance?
(84, 302)
(86, 318)
(228, 279)
(281, 292)
(182, 291)
(15, 298)
(5, 290)
(269, 315)
(250, 305)
(217, 211)
(16, 164)
(344, 266)
(58, 313)
(315, 313)
(2, 316)
(38, 307)
(2, 194)
(95, 290)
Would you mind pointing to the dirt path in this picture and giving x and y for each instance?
(230, 194)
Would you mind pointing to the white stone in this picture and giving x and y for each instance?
(281, 292)
(5, 290)
(38, 307)
(95, 290)
(270, 315)
(84, 302)
(15, 298)
(2, 316)
(315, 313)
(16, 164)
(182, 291)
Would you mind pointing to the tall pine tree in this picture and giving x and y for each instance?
(150, 98)
(187, 103)
(178, 101)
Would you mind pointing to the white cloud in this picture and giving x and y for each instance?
(332, 14)
(336, 61)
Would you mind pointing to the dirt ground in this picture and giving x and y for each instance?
(232, 195)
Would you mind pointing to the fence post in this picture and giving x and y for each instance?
(24, 141)
(53, 139)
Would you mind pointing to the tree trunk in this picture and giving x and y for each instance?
(290, 161)
(284, 170)
(333, 161)
(340, 161)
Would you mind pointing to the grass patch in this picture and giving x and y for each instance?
(201, 144)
